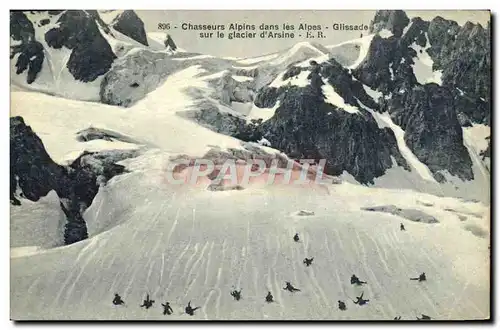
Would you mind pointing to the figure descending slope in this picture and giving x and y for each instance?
(236, 294)
(420, 278)
(190, 310)
(118, 300)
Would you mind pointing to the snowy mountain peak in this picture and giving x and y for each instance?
(50, 50)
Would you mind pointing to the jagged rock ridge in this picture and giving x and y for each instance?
(131, 25)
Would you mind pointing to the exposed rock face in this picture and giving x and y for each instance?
(464, 55)
(34, 174)
(139, 73)
(93, 133)
(91, 54)
(374, 71)
(32, 169)
(305, 126)
(428, 116)
(30, 51)
(208, 114)
(132, 26)
(230, 90)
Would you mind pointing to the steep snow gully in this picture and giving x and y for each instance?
(196, 243)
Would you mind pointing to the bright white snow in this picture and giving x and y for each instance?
(299, 80)
(385, 33)
(332, 97)
(363, 43)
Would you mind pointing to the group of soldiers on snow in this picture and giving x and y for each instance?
(167, 309)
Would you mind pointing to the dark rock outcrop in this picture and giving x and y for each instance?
(32, 169)
(34, 174)
(169, 43)
(30, 51)
(374, 71)
(132, 26)
(428, 116)
(91, 54)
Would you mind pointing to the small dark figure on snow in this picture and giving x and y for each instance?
(118, 300)
(296, 237)
(402, 227)
(360, 301)
(269, 297)
(190, 310)
(236, 294)
(342, 305)
(308, 262)
(397, 318)
(290, 287)
(355, 280)
(420, 278)
(147, 303)
(424, 317)
(167, 309)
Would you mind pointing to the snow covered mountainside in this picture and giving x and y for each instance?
(101, 109)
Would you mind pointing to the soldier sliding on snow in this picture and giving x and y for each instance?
(342, 305)
(148, 302)
(308, 262)
(236, 294)
(424, 317)
(397, 318)
(118, 300)
(269, 297)
(420, 278)
(355, 280)
(167, 309)
(290, 287)
(402, 227)
(190, 310)
(360, 301)
(296, 237)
